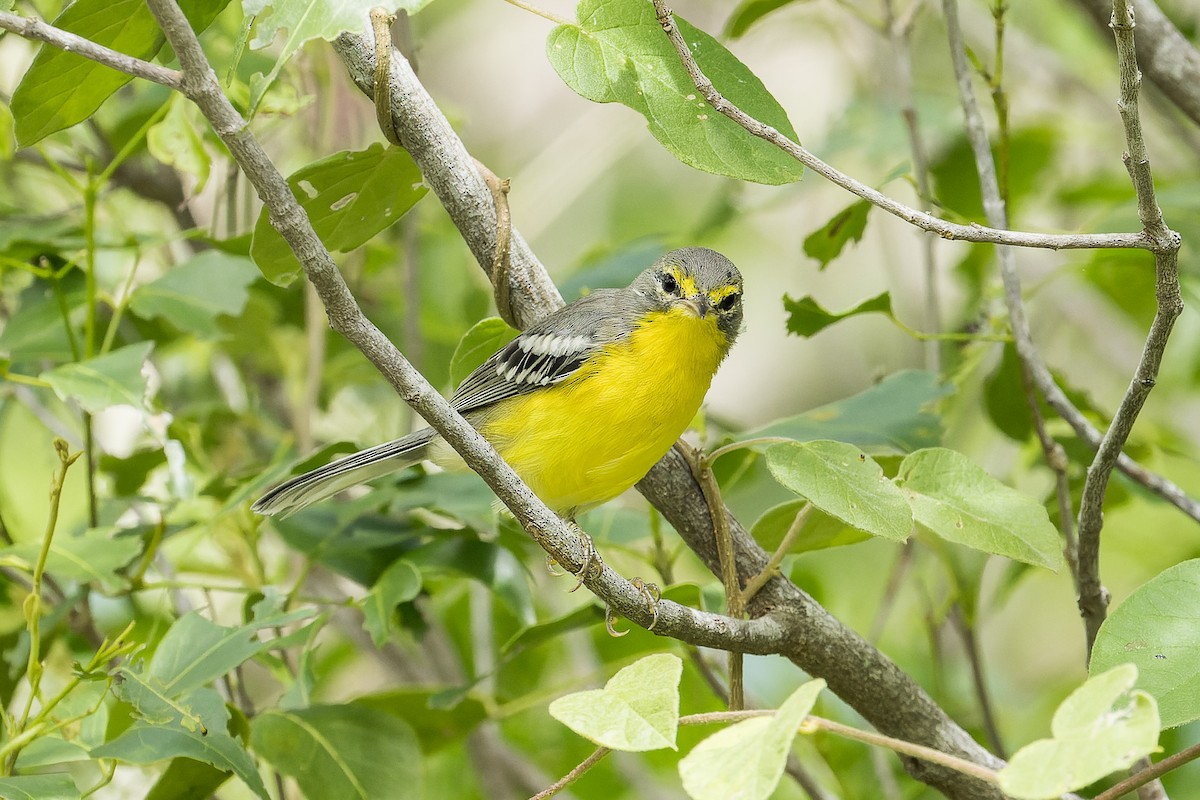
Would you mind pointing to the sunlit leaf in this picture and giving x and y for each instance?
(176, 141)
(56, 786)
(62, 88)
(637, 710)
(820, 531)
(1103, 726)
(960, 502)
(618, 53)
(845, 483)
(209, 742)
(746, 760)
(1157, 628)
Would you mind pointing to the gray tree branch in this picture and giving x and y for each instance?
(1170, 61)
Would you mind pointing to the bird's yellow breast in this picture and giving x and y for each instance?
(591, 437)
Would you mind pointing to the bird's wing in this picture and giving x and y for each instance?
(549, 352)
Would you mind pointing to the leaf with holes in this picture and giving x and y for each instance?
(349, 197)
(617, 52)
(1103, 726)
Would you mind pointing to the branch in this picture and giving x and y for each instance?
(1169, 59)
(798, 627)
(1093, 599)
(1041, 375)
(34, 28)
(927, 222)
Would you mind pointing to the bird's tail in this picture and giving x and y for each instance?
(304, 490)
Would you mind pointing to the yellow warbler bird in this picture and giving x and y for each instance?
(586, 401)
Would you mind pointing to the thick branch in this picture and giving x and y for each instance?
(33, 28)
(1167, 57)
(451, 172)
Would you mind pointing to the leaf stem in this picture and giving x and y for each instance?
(573, 775)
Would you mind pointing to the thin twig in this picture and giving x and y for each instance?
(1153, 772)
(1093, 598)
(971, 644)
(34, 28)
(734, 598)
(947, 230)
(755, 584)
(898, 31)
(573, 775)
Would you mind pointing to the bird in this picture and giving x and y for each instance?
(584, 402)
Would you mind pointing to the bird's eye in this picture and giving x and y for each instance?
(727, 302)
(669, 284)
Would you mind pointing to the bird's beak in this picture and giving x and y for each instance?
(698, 305)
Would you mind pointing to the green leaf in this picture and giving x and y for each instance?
(637, 710)
(749, 12)
(1157, 628)
(349, 196)
(436, 727)
(340, 751)
(61, 88)
(845, 483)
(187, 779)
(961, 503)
(891, 417)
(37, 331)
(108, 380)
(806, 317)
(196, 651)
(24, 492)
(56, 786)
(477, 345)
(398, 584)
(821, 531)
(1103, 726)
(146, 743)
(95, 556)
(827, 242)
(618, 53)
(746, 760)
(195, 293)
(532, 635)
(176, 141)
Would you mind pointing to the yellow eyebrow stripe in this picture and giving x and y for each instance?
(719, 294)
